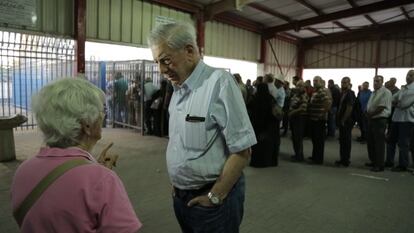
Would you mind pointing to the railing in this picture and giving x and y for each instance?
(27, 63)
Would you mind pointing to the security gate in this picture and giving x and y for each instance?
(123, 83)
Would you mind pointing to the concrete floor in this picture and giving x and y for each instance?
(291, 198)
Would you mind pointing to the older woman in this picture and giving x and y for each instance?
(85, 196)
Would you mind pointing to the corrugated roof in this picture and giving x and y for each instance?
(309, 18)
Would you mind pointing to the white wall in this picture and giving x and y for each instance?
(111, 52)
(247, 70)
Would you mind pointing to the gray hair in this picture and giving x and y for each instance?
(176, 35)
(61, 106)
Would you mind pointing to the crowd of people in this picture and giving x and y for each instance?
(384, 116)
(217, 125)
(123, 104)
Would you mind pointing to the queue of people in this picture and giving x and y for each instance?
(384, 117)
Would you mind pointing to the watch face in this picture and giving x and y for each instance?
(215, 200)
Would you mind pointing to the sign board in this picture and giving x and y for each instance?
(18, 12)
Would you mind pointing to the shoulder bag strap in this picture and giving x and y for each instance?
(25, 206)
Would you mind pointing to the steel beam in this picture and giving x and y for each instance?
(263, 50)
(378, 6)
(179, 5)
(370, 19)
(363, 33)
(407, 16)
(339, 24)
(80, 35)
(316, 31)
(300, 62)
(270, 12)
(310, 6)
(200, 32)
(353, 4)
(219, 7)
(238, 21)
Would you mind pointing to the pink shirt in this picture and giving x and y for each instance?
(87, 198)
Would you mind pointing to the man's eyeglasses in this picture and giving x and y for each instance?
(165, 61)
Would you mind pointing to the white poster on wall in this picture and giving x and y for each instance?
(18, 12)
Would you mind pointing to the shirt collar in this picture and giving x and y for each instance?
(64, 152)
(193, 80)
(379, 89)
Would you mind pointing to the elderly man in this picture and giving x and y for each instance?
(392, 87)
(378, 110)
(210, 134)
(318, 108)
(402, 124)
(345, 122)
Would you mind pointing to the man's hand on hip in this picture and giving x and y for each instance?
(200, 200)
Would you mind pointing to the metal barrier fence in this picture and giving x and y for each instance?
(27, 63)
(123, 82)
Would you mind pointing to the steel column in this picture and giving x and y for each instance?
(80, 35)
(200, 32)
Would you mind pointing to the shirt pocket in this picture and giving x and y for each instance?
(195, 135)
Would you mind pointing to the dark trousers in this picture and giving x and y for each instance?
(412, 145)
(225, 218)
(285, 123)
(277, 142)
(345, 142)
(332, 122)
(318, 134)
(376, 141)
(148, 117)
(297, 126)
(363, 125)
(400, 134)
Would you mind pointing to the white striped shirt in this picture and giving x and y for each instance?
(208, 122)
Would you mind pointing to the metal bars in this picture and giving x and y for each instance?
(27, 63)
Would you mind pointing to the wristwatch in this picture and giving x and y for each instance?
(214, 199)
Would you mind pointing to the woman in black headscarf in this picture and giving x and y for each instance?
(265, 127)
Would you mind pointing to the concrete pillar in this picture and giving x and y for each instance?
(7, 149)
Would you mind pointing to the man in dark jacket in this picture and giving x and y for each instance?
(345, 122)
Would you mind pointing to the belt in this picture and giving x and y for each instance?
(380, 118)
(181, 193)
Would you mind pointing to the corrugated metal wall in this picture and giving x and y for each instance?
(53, 17)
(126, 21)
(286, 54)
(396, 52)
(360, 54)
(222, 40)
